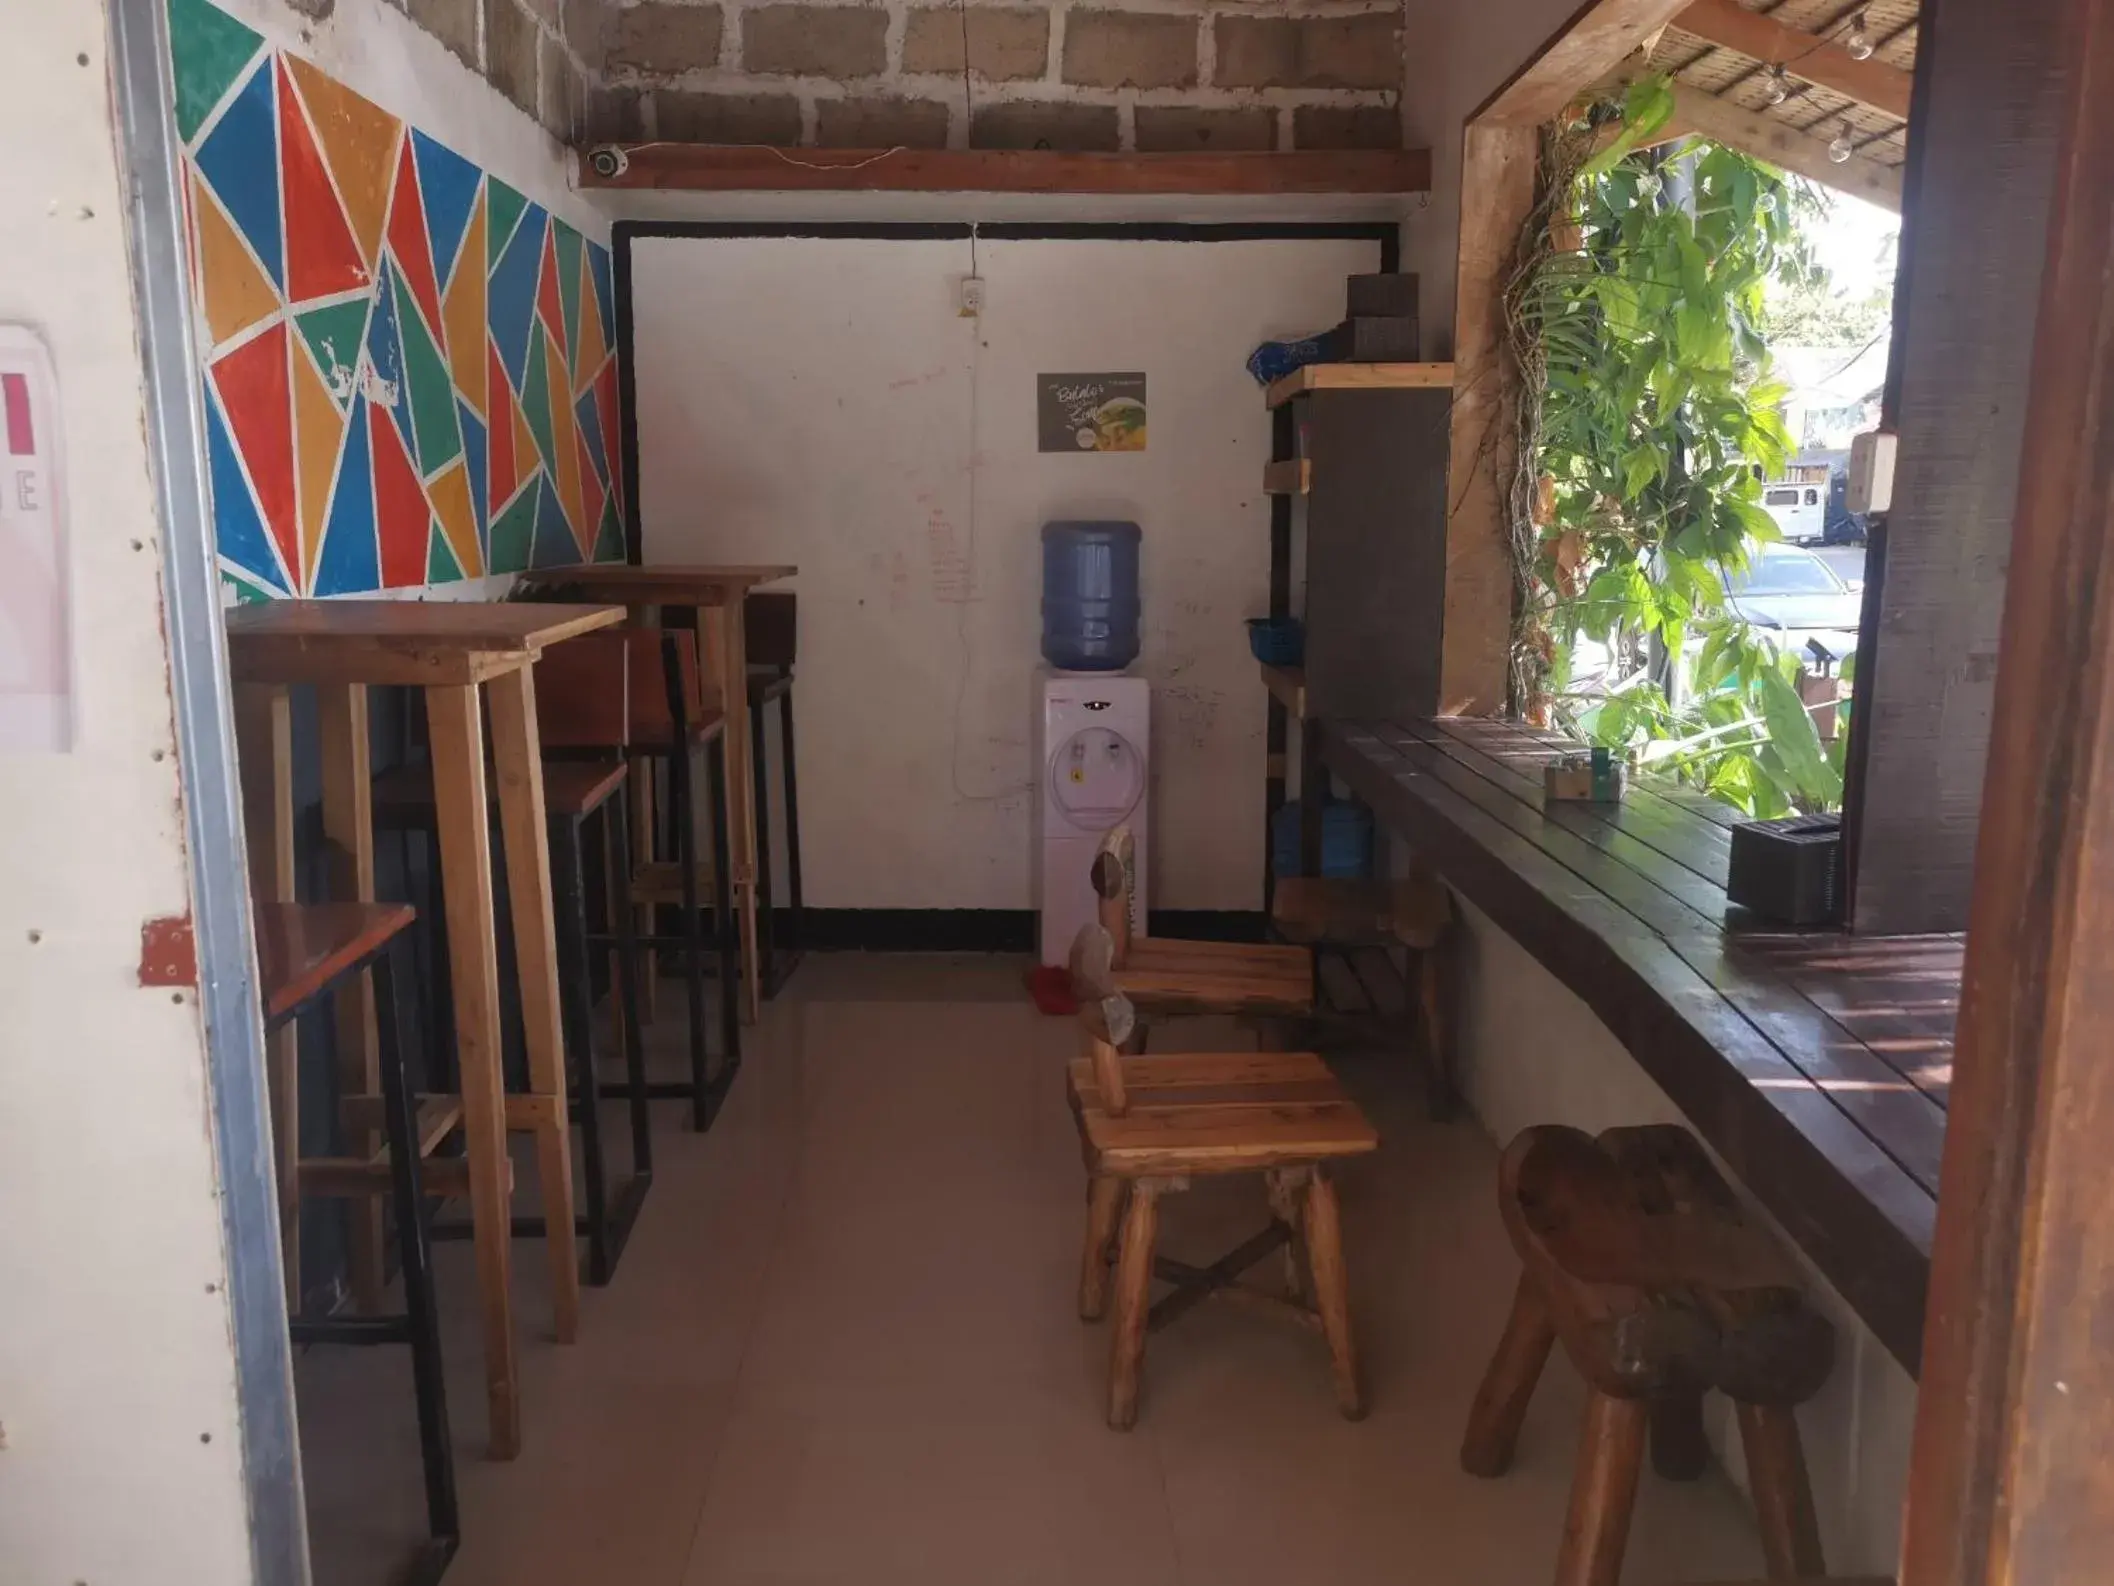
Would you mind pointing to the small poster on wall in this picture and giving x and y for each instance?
(1090, 412)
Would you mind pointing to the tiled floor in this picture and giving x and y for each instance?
(842, 1352)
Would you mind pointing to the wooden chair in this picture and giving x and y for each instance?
(1634, 1255)
(1161, 974)
(305, 954)
(1361, 923)
(771, 631)
(1149, 1125)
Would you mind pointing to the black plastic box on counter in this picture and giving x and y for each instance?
(1391, 296)
(1372, 341)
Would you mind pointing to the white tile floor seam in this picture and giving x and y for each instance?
(843, 1350)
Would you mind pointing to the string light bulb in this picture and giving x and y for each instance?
(1778, 88)
(1857, 41)
(1842, 148)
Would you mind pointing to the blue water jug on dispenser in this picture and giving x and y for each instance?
(1090, 595)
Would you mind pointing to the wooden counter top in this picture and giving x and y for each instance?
(1816, 1064)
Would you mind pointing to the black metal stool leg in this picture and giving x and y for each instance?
(796, 908)
(766, 953)
(616, 829)
(723, 909)
(685, 820)
(414, 1255)
(576, 1003)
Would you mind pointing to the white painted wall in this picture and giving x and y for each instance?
(1531, 1052)
(819, 402)
(122, 1460)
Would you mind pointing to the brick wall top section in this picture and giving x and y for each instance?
(1150, 75)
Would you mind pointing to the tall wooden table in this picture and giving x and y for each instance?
(455, 652)
(716, 594)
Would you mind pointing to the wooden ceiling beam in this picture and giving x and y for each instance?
(1822, 62)
(1781, 144)
(721, 168)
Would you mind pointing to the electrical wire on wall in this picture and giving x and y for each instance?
(975, 469)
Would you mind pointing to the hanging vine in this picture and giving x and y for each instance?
(1645, 420)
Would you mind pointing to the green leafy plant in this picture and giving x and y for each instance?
(1651, 419)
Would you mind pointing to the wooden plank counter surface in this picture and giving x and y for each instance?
(1816, 1064)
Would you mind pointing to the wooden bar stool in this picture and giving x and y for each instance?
(581, 706)
(1149, 1125)
(1362, 922)
(670, 726)
(1162, 974)
(772, 639)
(1634, 1255)
(306, 953)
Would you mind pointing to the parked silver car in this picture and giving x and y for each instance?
(1797, 599)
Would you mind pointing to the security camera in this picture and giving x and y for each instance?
(609, 161)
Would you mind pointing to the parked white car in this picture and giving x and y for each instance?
(1801, 511)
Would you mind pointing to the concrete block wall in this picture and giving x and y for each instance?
(543, 55)
(1146, 75)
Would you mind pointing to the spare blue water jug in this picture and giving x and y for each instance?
(1090, 595)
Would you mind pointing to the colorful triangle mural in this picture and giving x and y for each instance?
(448, 183)
(507, 208)
(400, 512)
(238, 526)
(432, 398)
(536, 399)
(569, 272)
(413, 255)
(609, 543)
(449, 491)
(513, 289)
(590, 346)
(514, 532)
(589, 413)
(462, 316)
(237, 295)
(500, 468)
(408, 369)
(359, 146)
(473, 451)
(319, 433)
(441, 566)
(555, 544)
(321, 256)
(334, 333)
(349, 563)
(211, 49)
(254, 393)
(239, 159)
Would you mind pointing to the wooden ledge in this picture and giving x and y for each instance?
(722, 168)
(1360, 377)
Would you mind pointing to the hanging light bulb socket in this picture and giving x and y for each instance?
(1778, 88)
(1858, 41)
(1844, 145)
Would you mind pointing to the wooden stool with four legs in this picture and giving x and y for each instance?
(1363, 922)
(1636, 1257)
(1164, 974)
(1148, 1125)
